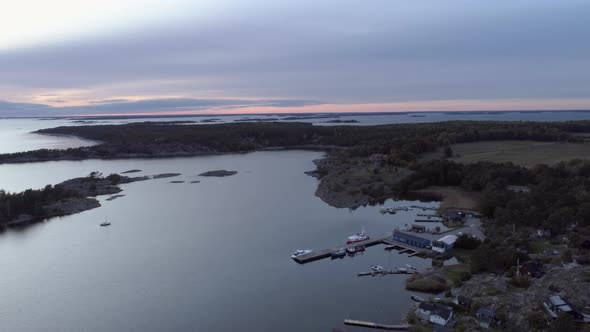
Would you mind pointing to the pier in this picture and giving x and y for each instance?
(383, 273)
(401, 327)
(325, 253)
(404, 248)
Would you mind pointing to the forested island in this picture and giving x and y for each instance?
(494, 166)
(69, 197)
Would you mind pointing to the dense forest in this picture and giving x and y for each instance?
(557, 199)
(31, 202)
(401, 142)
(559, 195)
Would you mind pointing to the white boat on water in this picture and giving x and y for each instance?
(377, 268)
(298, 253)
(105, 223)
(357, 237)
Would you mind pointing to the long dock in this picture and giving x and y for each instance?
(401, 327)
(382, 273)
(325, 253)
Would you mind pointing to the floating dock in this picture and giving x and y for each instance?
(404, 248)
(401, 327)
(325, 253)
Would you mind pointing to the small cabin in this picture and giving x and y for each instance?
(556, 306)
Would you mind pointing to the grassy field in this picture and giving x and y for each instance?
(454, 197)
(525, 153)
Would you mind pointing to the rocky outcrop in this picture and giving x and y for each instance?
(219, 173)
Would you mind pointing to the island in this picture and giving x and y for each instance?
(219, 173)
(66, 198)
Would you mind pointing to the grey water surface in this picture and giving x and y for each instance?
(208, 256)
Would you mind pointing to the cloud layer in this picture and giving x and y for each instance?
(334, 51)
(122, 106)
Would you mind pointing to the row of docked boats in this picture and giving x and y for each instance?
(343, 251)
(339, 253)
(394, 210)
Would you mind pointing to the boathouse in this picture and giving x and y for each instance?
(410, 239)
(444, 244)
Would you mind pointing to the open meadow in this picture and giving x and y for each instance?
(525, 153)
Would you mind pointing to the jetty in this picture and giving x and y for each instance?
(315, 255)
(383, 273)
(400, 327)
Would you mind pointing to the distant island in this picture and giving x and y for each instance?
(342, 121)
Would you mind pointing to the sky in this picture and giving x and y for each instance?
(76, 57)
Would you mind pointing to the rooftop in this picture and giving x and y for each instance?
(448, 239)
(409, 236)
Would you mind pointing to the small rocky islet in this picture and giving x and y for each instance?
(219, 173)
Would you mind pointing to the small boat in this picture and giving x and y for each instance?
(402, 270)
(355, 250)
(105, 223)
(357, 237)
(298, 253)
(377, 268)
(340, 253)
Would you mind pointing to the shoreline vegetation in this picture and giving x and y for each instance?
(369, 164)
(66, 198)
(349, 175)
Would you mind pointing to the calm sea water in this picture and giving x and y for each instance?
(210, 256)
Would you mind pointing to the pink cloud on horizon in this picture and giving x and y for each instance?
(410, 106)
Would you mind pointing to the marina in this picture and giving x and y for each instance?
(315, 255)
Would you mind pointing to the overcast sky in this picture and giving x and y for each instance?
(64, 57)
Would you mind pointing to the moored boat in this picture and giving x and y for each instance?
(377, 268)
(340, 253)
(355, 250)
(357, 237)
(298, 253)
